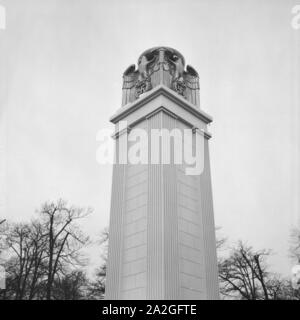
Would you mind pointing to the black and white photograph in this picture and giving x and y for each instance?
(149, 150)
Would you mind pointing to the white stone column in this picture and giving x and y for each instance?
(162, 235)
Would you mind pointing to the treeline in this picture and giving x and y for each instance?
(44, 258)
(245, 275)
(44, 261)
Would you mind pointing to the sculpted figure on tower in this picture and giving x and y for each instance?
(160, 66)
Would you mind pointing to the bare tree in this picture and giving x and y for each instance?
(27, 245)
(18, 241)
(245, 275)
(64, 239)
(39, 259)
(96, 289)
(43, 251)
(72, 286)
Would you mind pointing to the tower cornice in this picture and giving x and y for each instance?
(154, 93)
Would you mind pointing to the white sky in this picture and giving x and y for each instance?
(61, 65)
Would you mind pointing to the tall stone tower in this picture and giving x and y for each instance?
(162, 235)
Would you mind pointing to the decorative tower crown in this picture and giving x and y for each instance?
(160, 66)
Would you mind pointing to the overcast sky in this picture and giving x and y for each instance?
(60, 81)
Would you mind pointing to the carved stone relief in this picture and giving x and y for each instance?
(142, 78)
